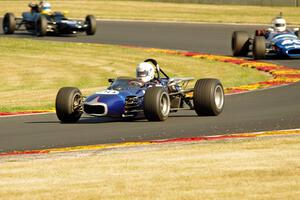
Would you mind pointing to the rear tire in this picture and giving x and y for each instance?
(41, 25)
(297, 34)
(208, 97)
(67, 104)
(9, 23)
(92, 25)
(156, 104)
(259, 47)
(240, 43)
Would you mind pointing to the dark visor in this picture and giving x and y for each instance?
(279, 25)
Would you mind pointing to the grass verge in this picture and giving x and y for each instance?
(139, 10)
(231, 169)
(32, 71)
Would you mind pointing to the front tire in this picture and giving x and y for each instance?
(156, 104)
(208, 97)
(240, 43)
(68, 104)
(259, 47)
(9, 23)
(41, 25)
(92, 25)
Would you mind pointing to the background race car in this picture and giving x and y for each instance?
(265, 43)
(41, 23)
(127, 97)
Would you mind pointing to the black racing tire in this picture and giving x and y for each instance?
(9, 23)
(209, 98)
(259, 47)
(41, 25)
(240, 43)
(67, 99)
(156, 104)
(90, 20)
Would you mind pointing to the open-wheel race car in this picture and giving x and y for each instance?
(127, 97)
(41, 23)
(276, 41)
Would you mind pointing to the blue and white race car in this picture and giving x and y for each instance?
(267, 43)
(127, 97)
(41, 23)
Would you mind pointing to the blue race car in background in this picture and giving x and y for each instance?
(127, 97)
(267, 43)
(41, 24)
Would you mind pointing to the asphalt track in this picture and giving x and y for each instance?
(272, 109)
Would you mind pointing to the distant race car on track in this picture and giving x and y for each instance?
(41, 20)
(275, 41)
(127, 97)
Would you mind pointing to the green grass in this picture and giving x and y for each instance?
(32, 71)
(252, 169)
(157, 11)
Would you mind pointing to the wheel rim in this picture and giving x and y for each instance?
(164, 105)
(76, 102)
(219, 97)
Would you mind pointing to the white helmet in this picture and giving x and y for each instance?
(46, 7)
(279, 24)
(145, 72)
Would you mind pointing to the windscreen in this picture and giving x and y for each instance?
(125, 84)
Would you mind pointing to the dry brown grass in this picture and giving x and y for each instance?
(265, 168)
(162, 11)
(32, 71)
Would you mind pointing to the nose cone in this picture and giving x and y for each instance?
(290, 48)
(115, 103)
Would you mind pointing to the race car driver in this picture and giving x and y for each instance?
(43, 7)
(145, 73)
(278, 26)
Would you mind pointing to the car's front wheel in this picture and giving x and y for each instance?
(156, 104)
(91, 25)
(41, 25)
(259, 47)
(208, 97)
(68, 104)
(9, 23)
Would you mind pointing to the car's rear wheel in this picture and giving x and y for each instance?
(240, 43)
(68, 104)
(297, 34)
(208, 97)
(259, 47)
(41, 25)
(9, 23)
(91, 25)
(156, 104)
